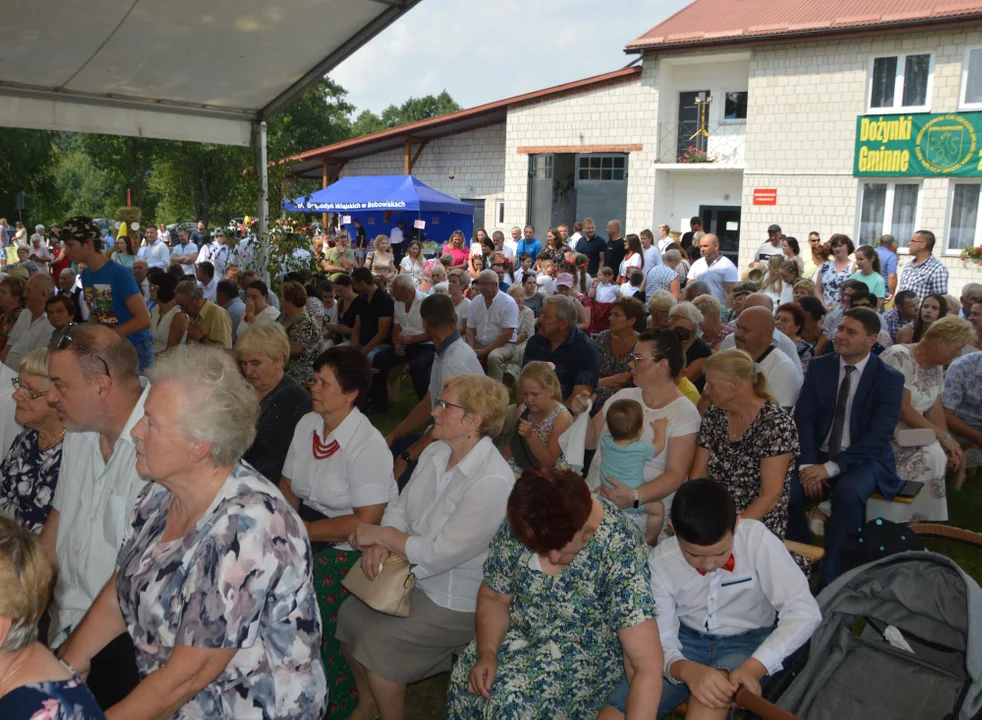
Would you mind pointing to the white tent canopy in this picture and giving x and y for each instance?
(199, 70)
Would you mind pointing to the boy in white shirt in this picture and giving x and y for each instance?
(719, 585)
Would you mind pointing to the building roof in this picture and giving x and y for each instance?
(728, 22)
(309, 164)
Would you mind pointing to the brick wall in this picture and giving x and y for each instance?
(801, 122)
(477, 159)
(617, 115)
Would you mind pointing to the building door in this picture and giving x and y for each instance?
(601, 189)
(689, 123)
(478, 214)
(723, 221)
(540, 193)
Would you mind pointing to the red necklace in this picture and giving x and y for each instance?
(322, 451)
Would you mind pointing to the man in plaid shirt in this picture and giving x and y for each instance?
(904, 311)
(925, 274)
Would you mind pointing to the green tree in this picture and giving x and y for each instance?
(413, 110)
(127, 163)
(367, 123)
(27, 158)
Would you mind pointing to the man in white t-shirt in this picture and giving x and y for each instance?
(772, 246)
(781, 341)
(516, 237)
(714, 269)
(664, 239)
(461, 303)
(184, 253)
(492, 322)
(755, 334)
(412, 344)
(650, 251)
(498, 238)
(396, 236)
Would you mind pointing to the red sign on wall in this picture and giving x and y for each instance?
(765, 196)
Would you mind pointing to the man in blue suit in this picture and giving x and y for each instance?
(846, 414)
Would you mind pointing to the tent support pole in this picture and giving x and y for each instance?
(262, 173)
(325, 171)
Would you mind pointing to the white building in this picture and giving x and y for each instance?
(789, 84)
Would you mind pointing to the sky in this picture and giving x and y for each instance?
(482, 51)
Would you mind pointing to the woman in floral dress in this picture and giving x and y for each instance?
(922, 366)
(746, 441)
(567, 575)
(615, 346)
(836, 271)
(301, 329)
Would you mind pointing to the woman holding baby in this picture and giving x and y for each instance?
(658, 357)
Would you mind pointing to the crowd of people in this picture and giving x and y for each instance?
(608, 433)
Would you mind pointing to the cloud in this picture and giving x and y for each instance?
(481, 52)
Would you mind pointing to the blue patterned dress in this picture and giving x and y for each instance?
(28, 477)
(241, 578)
(561, 656)
(55, 700)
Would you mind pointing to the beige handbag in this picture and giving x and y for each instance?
(391, 593)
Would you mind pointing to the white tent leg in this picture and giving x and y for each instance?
(262, 171)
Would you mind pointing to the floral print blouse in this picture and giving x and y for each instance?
(241, 578)
(832, 282)
(302, 330)
(561, 656)
(28, 477)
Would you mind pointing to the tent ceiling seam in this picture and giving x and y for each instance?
(102, 45)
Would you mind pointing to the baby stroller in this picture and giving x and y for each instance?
(900, 639)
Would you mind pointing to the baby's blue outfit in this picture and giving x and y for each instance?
(624, 463)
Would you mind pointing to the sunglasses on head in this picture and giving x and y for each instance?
(66, 339)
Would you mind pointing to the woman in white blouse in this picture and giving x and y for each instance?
(442, 523)
(337, 474)
(412, 263)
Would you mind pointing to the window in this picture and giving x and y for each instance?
(542, 167)
(901, 82)
(602, 167)
(888, 208)
(499, 211)
(963, 222)
(971, 94)
(736, 106)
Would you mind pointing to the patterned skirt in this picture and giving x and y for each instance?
(330, 566)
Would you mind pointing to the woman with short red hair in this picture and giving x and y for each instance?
(565, 605)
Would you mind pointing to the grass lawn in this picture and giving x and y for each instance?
(427, 700)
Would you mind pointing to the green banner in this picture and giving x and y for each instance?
(919, 145)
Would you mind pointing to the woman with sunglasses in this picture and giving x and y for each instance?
(657, 360)
(30, 469)
(337, 475)
(442, 523)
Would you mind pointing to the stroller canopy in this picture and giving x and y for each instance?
(854, 673)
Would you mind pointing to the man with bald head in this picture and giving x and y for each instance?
(781, 341)
(616, 250)
(32, 329)
(755, 335)
(714, 269)
(98, 393)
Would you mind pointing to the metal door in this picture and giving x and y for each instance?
(601, 189)
(540, 193)
(478, 214)
(689, 123)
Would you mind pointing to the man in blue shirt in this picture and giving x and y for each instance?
(110, 290)
(570, 350)
(887, 251)
(529, 244)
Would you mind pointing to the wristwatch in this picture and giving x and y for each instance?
(406, 457)
(637, 500)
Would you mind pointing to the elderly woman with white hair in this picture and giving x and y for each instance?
(33, 684)
(714, 331)
(262, 351)
(686, 320)
(29, 472)
(213, 580)
(659, 305)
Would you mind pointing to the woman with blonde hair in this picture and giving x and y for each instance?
(771, 284)
(746, 441)
(34, 683)
(382, 262)
(713, 329)
(539, 420)
(301, 328)
(790, 273)
(442, 523)
(922, 365)
(412, 263)
(802, 288)
(456, 247)
(660, 305)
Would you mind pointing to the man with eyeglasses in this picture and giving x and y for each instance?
(492, 321)
(924, 274)
(111, 292)
(98, 394)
